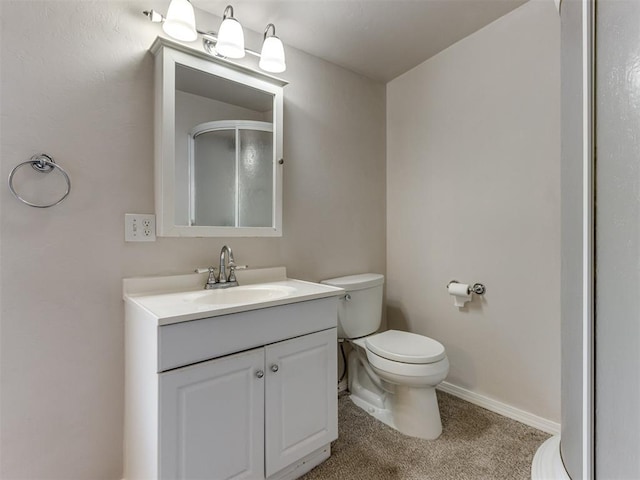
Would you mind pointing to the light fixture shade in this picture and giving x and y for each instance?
(272, 55)
(230, 39)
(180, 22)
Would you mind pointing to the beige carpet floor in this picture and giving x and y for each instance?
(475, 444)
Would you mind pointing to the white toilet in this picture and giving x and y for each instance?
(393, 374)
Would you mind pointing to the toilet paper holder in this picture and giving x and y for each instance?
(477, 288)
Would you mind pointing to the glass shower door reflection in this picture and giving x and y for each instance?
(255, 179)
(232, 174)
(213, 179)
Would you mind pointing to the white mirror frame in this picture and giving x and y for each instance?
(168, 54)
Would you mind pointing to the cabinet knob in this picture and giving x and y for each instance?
(274, 368)
(259, 374)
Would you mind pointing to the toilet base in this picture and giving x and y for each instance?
(412, 411)
(415, 412)
(382, 414)
(365, 393)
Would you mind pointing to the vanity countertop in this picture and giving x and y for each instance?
(181, 298)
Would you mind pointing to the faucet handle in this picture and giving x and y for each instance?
(212, 280)
(232, 270)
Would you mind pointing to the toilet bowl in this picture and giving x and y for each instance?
(391, 375)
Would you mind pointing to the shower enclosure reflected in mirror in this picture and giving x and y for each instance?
(231, 174)
(218, 146)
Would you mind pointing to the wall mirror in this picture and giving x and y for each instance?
(218, 146)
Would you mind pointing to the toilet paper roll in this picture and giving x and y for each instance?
(461, 289)
(460, 293)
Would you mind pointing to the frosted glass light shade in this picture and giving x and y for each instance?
(230, 39)
(272, 55)
(180, 22)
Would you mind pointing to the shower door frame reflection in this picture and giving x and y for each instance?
(237, 126)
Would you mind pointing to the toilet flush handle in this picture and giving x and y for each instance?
(346, 297)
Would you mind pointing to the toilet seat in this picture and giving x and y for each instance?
(405, 347)
(417, 374)
(424, 360)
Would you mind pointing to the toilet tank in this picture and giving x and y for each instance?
(360, 312)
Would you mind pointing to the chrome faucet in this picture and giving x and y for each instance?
(223, 280)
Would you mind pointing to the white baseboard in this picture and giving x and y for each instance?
(501, 408)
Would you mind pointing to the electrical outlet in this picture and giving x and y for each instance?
(139, 227)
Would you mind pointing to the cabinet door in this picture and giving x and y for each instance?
(212, 419)
(301, 401)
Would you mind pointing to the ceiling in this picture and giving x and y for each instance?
(380, 39)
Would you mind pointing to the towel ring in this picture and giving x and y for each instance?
(45, 164)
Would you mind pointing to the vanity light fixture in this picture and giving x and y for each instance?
(272, 55)
(228, 42)
(230, 36)
(180, 22)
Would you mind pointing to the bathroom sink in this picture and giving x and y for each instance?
(181, 298)
(240, 295)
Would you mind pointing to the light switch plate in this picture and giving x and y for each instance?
(139, 227)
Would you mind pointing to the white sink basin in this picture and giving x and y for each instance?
(181, 298)
(239, 295)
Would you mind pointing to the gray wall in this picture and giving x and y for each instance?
(473, 194)
(618, 240)
(81, 89)
(572, 225)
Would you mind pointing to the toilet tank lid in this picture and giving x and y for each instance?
(356, 282)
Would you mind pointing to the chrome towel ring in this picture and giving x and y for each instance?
(45, 164)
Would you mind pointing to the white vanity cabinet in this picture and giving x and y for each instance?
(249, 415)
(249, 394)
(212, 419)
(301, 413)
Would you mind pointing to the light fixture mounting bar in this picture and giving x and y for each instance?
(210, 38)
(155, 17)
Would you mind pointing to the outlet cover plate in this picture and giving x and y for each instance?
(139, 227)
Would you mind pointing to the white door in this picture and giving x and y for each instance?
(212, 419)
(301, 401)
